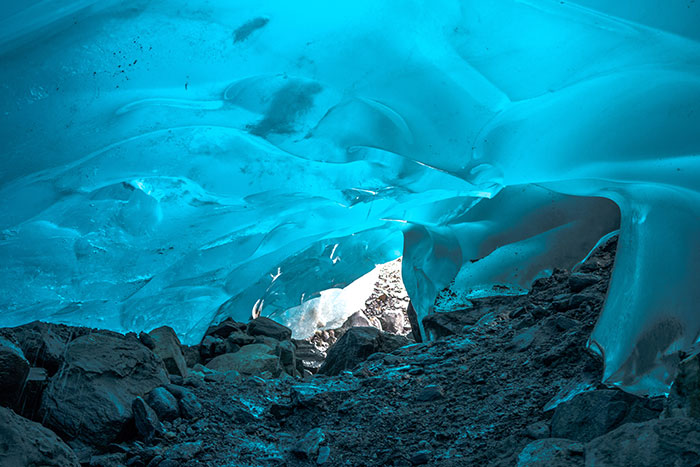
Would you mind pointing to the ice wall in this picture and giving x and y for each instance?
(178, 162)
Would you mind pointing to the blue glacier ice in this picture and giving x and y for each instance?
(174, 162)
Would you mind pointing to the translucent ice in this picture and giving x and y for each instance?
(171, 163)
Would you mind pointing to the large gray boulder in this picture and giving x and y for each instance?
(14, 369)
(668, 442)
(592, 414)
(89, 400)
(253, 359)
(169, 349)
(26, 443)
(356, 345)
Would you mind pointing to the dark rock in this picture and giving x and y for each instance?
(671, 441)
(147, 340)
(684, 397)
(430, 393)
(44, 344)
(190, 407)
(594, 413)
(14, 369)
(580, 281)
(225, 328)
(356, 345)
(308, 447)
(584, 298)
(240, 339)
(357, 319)
(266, 327)
(90, 399)
(169, 349)
(145, 419)
(564, 323)
(26, 443)
(552, 452)
(421, 457)
(450, 323)
(413, 321)
(192, 356)
(211, 347)
(163, 403)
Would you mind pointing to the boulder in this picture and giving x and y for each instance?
(684, 397)
(27, 443)
(225, 328)
(240, 339)
(44, 344)
(14, 369)
(356, 345)
(266, 327)
(189, 405)
(169, 349)
(211, 347)
(309, 445)
(163, 403)
(552, 452)
(145, 419)
(671, 441)
(594, 413)
(253, 359)
(90, 398)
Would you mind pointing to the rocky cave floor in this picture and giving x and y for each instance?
(506, 381)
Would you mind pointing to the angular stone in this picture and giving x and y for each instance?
(27, 443)
(670, 441)
(169, 349)
(594, 413)
(579, 281)
(355, 346)
(90, 398)
(309, 445)
(430, 393)
(145, 419)
(266, 327)
(225, 328)
(14, 369)
(240, 339)
(163, 403)
(189, 405)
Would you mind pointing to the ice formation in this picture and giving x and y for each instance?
(165, 162)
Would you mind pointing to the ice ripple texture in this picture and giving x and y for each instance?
(177, 162)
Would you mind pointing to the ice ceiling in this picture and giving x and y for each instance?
(176, 162)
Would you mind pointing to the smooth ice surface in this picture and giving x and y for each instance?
(172, 162)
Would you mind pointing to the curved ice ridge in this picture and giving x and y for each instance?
(169, 164)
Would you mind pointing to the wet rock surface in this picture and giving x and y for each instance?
(508, 382)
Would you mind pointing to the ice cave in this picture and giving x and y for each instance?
(178, 163)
